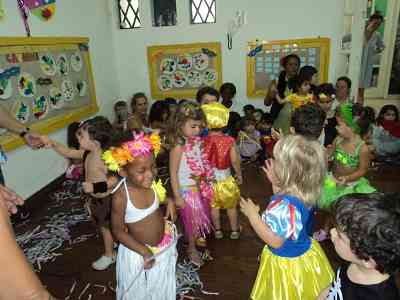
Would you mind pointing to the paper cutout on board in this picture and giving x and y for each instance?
(30, 57)
(179, 79)
(210, 77)
(14, 58)
(68, 90)
(6, 90)
(43, 9)
(2, 12)
(21, 111)
(208, 52)
(56, 98)
(255, 51)
(47, 64)
(40, 107)
(200, 61)
(168, 66)
(26, 85)
(44, 81)
(63, 65)
(76, 62)
(81, 87)
(194, 78)
(165, 82)
(185, 62)
(10, 72)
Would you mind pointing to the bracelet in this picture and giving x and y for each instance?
(24, 132)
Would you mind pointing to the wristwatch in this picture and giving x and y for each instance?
(24, 132)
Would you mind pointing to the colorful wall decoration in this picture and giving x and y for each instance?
(263, 60)
(46, 83)
(180, 70)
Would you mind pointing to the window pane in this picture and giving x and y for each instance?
(129, 14)
(164, 12)
(203, 11)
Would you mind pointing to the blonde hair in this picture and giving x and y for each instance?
(186, 111)
(299, 167)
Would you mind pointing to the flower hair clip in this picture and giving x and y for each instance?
(141, 145)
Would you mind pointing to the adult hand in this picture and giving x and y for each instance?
(10, 199)
(34, 140)
(171, 210)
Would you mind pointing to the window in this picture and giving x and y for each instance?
(202, 11)
(164, 12)
(129, 14)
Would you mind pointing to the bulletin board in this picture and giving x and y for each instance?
(263, 60)
(46, 83)
(180, 70)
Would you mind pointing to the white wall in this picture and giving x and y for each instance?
(28, 171)
(267, 20)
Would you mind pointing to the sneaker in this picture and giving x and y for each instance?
(103, 263)
(235, 235)
(219, 234)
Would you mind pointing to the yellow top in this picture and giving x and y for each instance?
(298, 100)
(217, 115)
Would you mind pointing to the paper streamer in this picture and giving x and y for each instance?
(24, 10)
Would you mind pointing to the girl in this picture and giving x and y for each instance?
(311, 74)
(75, 167)
(293, 266)
(351, 158)
(191, 175)
(121, 115)
(249, 140)
(147, 250)
(222, 154)
(94, 136)
(227, 92)
(301, 93)
(386, 136)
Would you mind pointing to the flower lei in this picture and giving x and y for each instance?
(141, 145)
(202, 172)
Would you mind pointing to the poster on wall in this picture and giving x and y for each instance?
(180, 70)
(264, 60)
(46, 83)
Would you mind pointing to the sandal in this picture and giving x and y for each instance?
(235, 235)
(195, 259)
(219, 234)
(201, 242)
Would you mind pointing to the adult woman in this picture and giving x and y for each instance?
(373, 44)
(343, 87)
(139, 120)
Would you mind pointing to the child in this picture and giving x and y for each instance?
(94, 136)
(311, 74)
(138, 120)
(351, 158)
(257, 115)
(206, 95)
(147, 251)
(191, 175)
(121, 116)
(158, 115)
(227, 92)
(222, 154)
(249, 140)
(293, 266)
(386, 136)
(75, 168)
(366, 235)
(249, 110)
(301, 93)
(233, 127)
(265, 125)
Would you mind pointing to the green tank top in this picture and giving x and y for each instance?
(347, 159)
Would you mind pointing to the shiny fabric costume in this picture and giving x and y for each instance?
(331, 191)
(298, 269)
(217, 148)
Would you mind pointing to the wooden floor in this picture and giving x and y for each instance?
(232, 272)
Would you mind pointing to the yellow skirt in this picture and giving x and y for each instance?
(226, 193)
(292, 278)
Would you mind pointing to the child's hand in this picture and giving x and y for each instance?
(171, 210)
(341, 180)
(148, 262)
(269, 171)
(276, 133)
(239, 179)
(248, 208)
(179, 202)
(87, 187)
(10, 199)
(46, 141)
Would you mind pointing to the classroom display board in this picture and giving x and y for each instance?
(46, 83)
(180, 70)
(264, 60)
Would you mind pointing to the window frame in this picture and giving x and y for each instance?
(136, 13)
(192, 17)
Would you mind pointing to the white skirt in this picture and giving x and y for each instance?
(157, 283)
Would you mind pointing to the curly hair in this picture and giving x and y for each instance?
(100, 130)
(207, 90)
(308, 120)
(372, 224)
(186, 111)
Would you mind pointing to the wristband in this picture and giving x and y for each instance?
(24, 132)
(100, 187)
